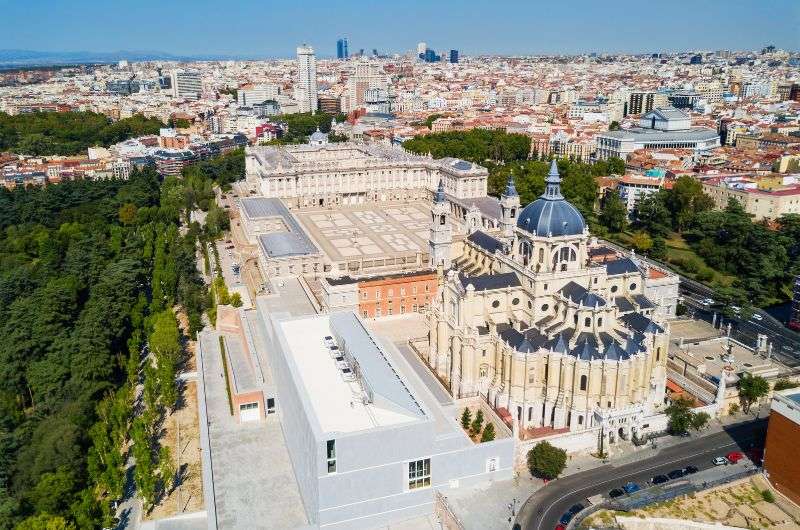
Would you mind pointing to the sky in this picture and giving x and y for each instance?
(266, 28)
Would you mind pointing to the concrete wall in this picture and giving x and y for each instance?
(297, 429)
(657, 523)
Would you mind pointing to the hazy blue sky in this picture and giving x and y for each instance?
(268, 28)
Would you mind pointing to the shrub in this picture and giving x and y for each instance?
(477, 423)
(785, 384)
(768, 496)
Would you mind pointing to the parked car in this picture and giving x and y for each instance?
(676, 474)
(575, 508)
(734, 456)
(566, 518)
(736, 309)
(616, 492)
(758, 317)
(690, 470)
(560, 527)
(720, 461)
(631, 487)
(660, 479)
(708, 301)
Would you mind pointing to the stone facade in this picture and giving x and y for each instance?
(529, 323)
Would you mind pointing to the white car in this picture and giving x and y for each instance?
(720, 461)
(735, 308)
(758, 317)
(708, 301)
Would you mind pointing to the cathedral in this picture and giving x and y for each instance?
(528, 321)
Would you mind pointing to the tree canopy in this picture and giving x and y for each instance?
(68, 133)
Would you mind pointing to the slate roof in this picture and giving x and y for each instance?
(623, 304)
(639, 322)
(485, 241)
(621, 266)
(643, 301)
(579, 294)
(488, 282)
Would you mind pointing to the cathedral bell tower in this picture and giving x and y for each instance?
(509, 208)
(441, 236)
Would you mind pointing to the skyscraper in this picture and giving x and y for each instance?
(421, 47)
(454, 56)
(341, 49)
(306, 89)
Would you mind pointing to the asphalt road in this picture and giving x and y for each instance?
(544, 508)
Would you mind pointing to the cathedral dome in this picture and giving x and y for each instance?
(551, 214)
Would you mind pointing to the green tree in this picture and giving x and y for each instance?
(477, 423)
(685, 200)
(613, 213)
(785, 384)
(641, 242)
(546, 461)
(466, 418)
(700, 420)
(680, 415)
(751, 389)
(44, 521)
(167, 469)
(488, 433)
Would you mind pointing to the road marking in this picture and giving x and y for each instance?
(552, 505)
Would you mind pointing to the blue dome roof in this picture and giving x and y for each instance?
(551, 214)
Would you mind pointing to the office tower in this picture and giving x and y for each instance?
(186, 84)
(341, 49)
(250, 94)
(421, 47)
(306, 89)
(454, 56)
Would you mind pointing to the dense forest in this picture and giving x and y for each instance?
(68, 133)
(91, 272)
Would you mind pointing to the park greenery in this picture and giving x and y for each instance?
(546, 461)
(68, 133)
(92, 275)
(475, 427)
(682, 418)
(298, 127)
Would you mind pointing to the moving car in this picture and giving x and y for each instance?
(676, 474)
(631, 487)
(720, 461)
(690, 470)
(734, 456)
(616, 492)
(660, 479)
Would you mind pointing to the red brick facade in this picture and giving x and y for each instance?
(780, 455)
(396, 295)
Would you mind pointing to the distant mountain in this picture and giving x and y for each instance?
(42, 58)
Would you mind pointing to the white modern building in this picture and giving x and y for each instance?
(250, 95)
(186, 84)
(306, 89)
(370, 445)
(661, 128)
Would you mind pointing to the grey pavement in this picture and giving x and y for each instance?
(254, 484)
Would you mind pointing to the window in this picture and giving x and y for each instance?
(366, 314)
(633, 287)
(496, 304)
(402, 291)
(614, 288)
(545, 307)
(414, 290)
(515, 301)
(364, 295)
(248, 406)
(530, 304)
(270, 405)
(594, 280)
(419, 474)
(331, 456)
(587, 322)
(377, 294)
(584, 379)
(390, 293)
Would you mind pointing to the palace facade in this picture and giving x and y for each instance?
(527, 320)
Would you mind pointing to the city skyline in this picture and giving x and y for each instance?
(519, 29)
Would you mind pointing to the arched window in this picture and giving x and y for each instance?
(599, 321)
(584, 380)
(541, 255)
(587, 322)
(442, 219)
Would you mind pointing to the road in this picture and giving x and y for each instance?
(544, 508)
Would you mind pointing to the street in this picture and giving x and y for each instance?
(544, 508)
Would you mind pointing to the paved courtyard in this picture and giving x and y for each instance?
(369, 230)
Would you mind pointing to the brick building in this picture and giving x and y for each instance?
(378, 296)
(783, 437)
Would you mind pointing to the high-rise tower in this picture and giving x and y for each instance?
(341, 48)
(306, 89)
(441, 236)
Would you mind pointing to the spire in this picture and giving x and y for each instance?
(439, 197)
(511, 190)
(553, 182)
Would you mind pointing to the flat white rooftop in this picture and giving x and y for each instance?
(338, 404)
